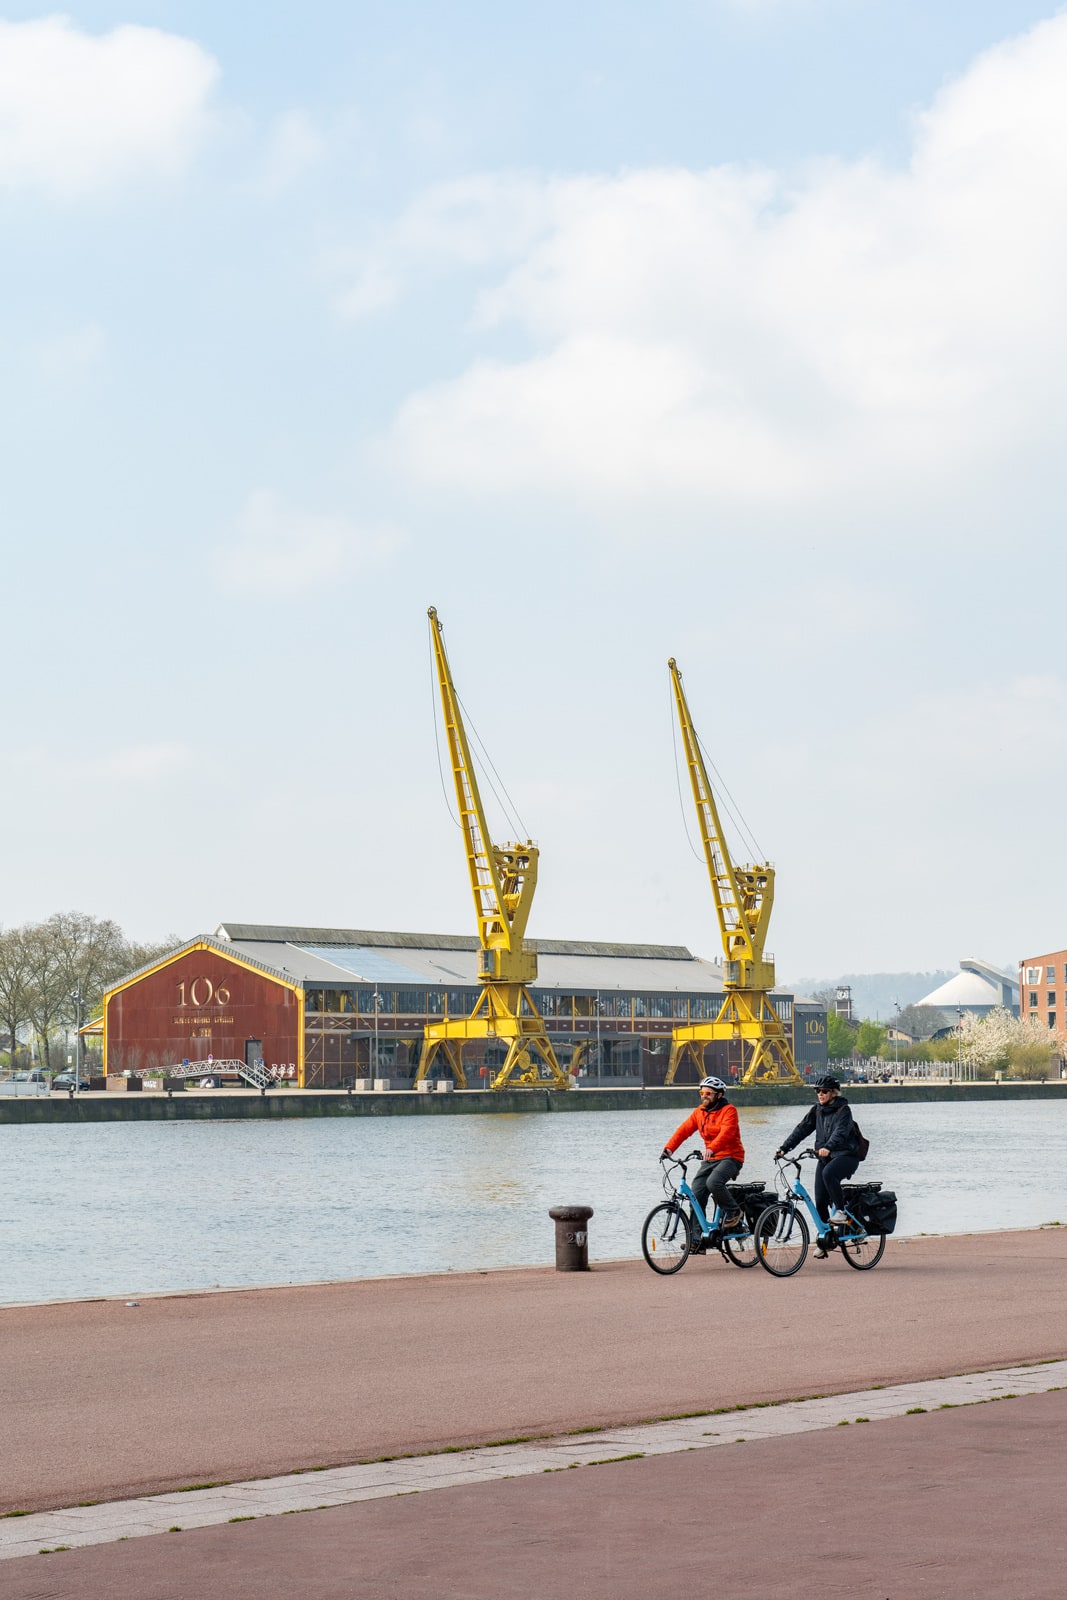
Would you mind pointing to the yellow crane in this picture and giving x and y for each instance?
(743, 900)
(503, 879)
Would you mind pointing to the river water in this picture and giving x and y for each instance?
(127, 1208)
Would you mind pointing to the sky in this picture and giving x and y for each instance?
(729, 330)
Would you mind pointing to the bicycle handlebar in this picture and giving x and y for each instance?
(794, 1161)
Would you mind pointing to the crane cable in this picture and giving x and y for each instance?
(733, 809)
(723, 794)
(481, 756)
(501, 795)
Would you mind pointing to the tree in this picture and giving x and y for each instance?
(14, 985)
(840, 1039)
(919, 1021)
(88, 953)
(43, 965)
(47, 994)
(870, 1037)
(1000, 1042)
(1031, 1057)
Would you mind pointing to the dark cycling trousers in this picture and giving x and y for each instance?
(712, 1177)
(829, 1176)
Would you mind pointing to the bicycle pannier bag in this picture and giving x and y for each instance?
(880, 1211)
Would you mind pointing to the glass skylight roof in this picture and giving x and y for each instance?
(371, 965)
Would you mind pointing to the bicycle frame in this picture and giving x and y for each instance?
(684, 1192)
(797, 1191)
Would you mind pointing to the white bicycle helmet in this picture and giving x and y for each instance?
(713, 1083)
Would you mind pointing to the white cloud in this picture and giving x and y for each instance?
(744, 340)
(472, 223)
(80, 112)
(295, 146)
(279, 548)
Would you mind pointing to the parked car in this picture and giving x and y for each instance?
(67, 1080)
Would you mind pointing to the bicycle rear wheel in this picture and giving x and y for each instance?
(665, 1238)
(781, 1240)
(865, 1253)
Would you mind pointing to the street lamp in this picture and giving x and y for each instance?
(76, 998)
(959, 1043)
(599, 1069)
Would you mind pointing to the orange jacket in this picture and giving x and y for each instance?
(718, 1128)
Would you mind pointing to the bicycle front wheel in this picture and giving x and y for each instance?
(665, 1238)
(865, 1253)
(781, 1240)
(740, 1249)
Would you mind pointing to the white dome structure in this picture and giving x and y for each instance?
(978, 988)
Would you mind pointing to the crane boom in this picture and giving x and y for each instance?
(743, 895)
(503, 879)
(743, 900)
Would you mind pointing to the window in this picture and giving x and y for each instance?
(640, 1007)
(1033, 975)
(681, 1007)
(313, 999)
(410, 1002)
(1052, 1019)
(622, 1006)
(1050, 974)
(386, 1001)
(659, 1005)
(1033, 998)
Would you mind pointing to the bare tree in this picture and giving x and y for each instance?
(14, 984)
(47, 992)
(921, 1022)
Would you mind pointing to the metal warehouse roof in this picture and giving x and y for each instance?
(244, 932)
(332, 955)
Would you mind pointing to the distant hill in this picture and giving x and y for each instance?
(876, 994)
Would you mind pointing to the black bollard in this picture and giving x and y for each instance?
(572, 1237)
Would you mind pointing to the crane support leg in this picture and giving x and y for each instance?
(452, 1050)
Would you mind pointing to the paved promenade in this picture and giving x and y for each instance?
(102, 1401)
(187, 1390)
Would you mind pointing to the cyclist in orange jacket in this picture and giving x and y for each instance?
(715, 1120)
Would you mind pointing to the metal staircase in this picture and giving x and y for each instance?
(257, 1076)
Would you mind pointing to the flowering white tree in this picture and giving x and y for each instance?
(999, 1042)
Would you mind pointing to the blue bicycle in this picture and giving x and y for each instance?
(782, 1234)
(671, 1232)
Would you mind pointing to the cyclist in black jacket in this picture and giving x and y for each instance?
(837, 1145)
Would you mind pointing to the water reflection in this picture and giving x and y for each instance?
(114, 1208)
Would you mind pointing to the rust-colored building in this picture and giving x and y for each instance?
(205, 1001)
(1043, 992)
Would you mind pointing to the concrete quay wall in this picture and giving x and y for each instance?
(223, 1105)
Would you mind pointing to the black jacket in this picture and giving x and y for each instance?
(833, 1127)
